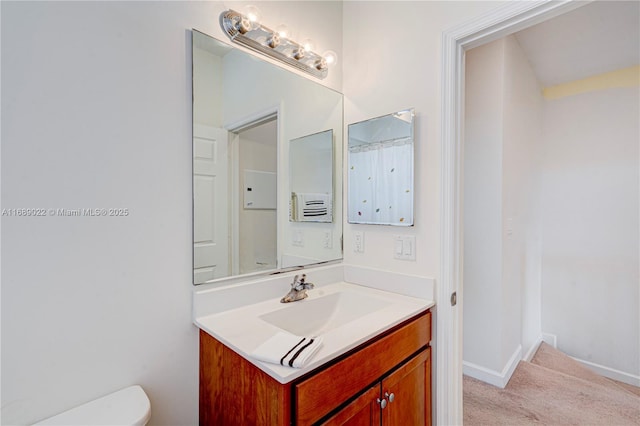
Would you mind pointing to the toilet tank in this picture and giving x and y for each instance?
(129, 406)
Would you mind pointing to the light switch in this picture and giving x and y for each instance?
(407, 247)
(404, 247)
(399, 247)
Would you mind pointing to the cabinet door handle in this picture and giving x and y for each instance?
(382, 402)
(390, 396)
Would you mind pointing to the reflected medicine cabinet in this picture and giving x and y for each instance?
(380, 170)
(311, 171)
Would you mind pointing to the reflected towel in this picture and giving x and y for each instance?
(288, 350)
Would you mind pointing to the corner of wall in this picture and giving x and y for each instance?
(495, 378)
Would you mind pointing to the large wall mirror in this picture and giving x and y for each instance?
(253, 123)
(381, 170)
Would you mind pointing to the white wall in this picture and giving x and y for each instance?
(501, 238)
(590, 219)
(207, 77)
(311, 163)
(387, 73)
(483, 172)
(520, 210)
(96, 112)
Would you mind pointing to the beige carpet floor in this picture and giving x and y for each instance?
(552, 389)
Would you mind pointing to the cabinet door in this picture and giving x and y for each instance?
(321, 393)
(363, 411)
(408, 392)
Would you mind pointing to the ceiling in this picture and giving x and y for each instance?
(599, 37)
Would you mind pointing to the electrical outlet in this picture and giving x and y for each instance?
(327, 239)
(358, 242)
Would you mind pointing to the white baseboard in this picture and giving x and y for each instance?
(499, 379)
(611, 373)
(532, 350)
(550, 339)
(602, 370)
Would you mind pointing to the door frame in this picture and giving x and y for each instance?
(273, 112)
(498, 23)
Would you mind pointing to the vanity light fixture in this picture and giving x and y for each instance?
(246, 29)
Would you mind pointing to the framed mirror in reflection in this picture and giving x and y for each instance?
(249, 118)
(380, 168)
(311, 183)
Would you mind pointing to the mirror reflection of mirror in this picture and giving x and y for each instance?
(381, 170)
(245, 113)
(311, 172)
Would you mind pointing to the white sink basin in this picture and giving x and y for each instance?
(312, 317)
(345, 315)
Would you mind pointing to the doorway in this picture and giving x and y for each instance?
(506, 20)
(551, 125)
(254, 160)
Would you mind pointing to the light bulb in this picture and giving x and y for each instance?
(253, 15)
(307, 44)
(283, 31)
(331, 57)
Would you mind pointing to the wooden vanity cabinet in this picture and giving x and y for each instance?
(408, 392)
(347, 391)
(402, 398)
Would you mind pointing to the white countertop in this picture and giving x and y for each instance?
(242, 329)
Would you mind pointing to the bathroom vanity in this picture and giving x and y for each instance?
(386, 378)
(374, 361)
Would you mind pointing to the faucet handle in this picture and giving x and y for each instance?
(301, 284)
(295, 281)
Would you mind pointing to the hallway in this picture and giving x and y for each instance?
(552, 389)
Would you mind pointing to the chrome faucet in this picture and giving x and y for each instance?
(298, 289)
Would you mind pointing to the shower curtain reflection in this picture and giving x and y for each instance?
(384, 174)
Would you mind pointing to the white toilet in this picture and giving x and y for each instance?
(129, 406)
